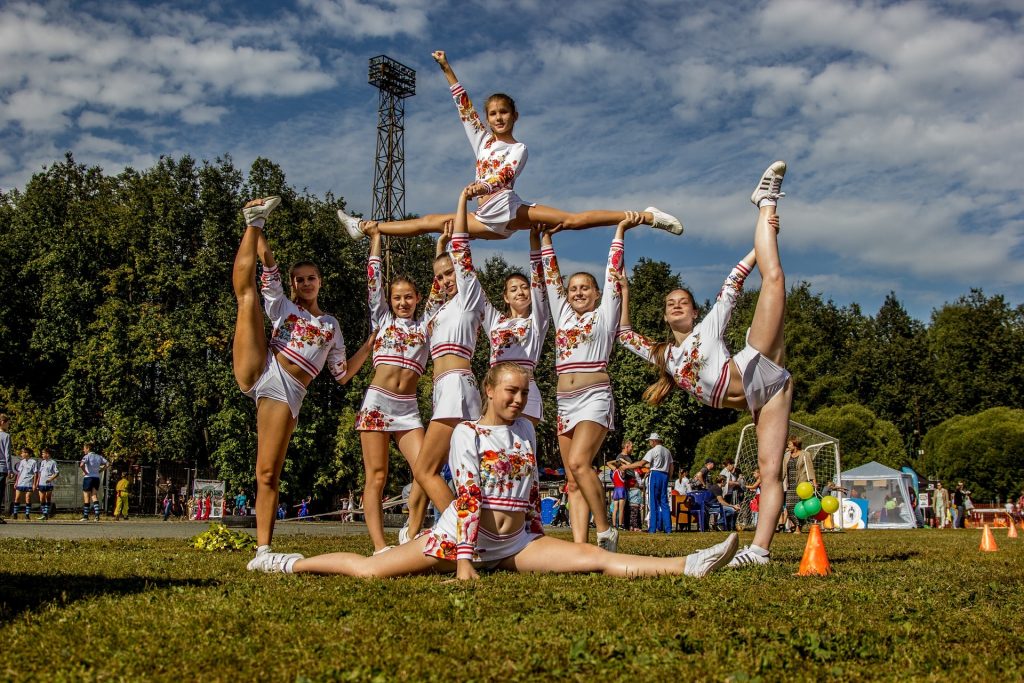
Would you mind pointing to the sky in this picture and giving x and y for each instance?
(900, 121)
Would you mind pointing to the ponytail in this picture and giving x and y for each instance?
(662, 387)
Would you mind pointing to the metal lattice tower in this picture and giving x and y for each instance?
(395, 82)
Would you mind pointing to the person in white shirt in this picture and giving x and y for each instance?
(682, 485)
(659, 459)
(5, 462)
(27, 470)
(92, 466)
(48, 473)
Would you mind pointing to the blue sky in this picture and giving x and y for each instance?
(900, 121)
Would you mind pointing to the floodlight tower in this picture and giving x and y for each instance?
(395, 82)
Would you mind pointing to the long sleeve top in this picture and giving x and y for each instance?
(700, 364)
(400, 341)
(5, 452)
(494, 467)
(454, 326)
(583, 342)
(520, 340)
(307, 340)
(498, 163)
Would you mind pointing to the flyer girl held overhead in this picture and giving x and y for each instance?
(500, 159)
(276, 372)
(495, 521)
(697, 360)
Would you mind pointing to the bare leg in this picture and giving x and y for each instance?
(375, 466)
(410, 444)
(529, 215)
(584, 442)
(274, 426)
(772, 432)
(401, 561)
(427, 467)
(433, 223)
(249, 347)
(548, 555)
(766, 329)
(579, 513)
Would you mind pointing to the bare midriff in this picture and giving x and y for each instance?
(397, 380)
(501, 522)
(300, 375)
(449, 362)
(572, 381)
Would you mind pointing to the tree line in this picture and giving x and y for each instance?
(117, 314)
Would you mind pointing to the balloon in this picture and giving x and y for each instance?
(799, 510)
(812, 506)
(830, 504)
(805, 490)
(821, 516)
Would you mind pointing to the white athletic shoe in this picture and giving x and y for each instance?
(747, 557)
(703, 562)
(403, 535)
(263, 210)
(351, 225)
(274, 563)
(664, 221)
(770, 186)
(608, 540)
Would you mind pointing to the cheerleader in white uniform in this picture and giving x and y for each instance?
(390, 410)
(495, 521)
(585, 334)
(500, 158)
(275, 373)
(698, 361)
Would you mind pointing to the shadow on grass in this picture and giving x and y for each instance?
(896, 556)
(22, 592)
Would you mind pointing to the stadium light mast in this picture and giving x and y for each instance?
(395, 82)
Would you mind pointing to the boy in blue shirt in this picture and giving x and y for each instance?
(92, 466)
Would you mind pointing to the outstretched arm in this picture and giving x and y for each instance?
(442, 61)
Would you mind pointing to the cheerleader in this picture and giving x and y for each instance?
(585, 334)
(454, 325)
(390, 410)
(275, 373)
(698, 361)
(495, 521)
(500, 158)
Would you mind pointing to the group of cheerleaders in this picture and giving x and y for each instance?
(493, 518)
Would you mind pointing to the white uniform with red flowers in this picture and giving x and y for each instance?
(494, 467)
(700, 365)
(401, 342)
(453, 330)
(521, 340)
(498, 164)
(583, 343)
(306, 340)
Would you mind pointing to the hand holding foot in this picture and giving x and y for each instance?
(632, 219)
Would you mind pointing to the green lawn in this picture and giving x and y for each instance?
(923, 605)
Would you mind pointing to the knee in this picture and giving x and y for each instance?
(266, 478)
(423, 468)
(571, 487)
(375, 480)
(773, 277)
(573, 221)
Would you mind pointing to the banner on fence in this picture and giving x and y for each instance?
(209, 498)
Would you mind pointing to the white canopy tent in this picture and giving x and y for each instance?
(878, 484)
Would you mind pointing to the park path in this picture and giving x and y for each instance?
(155, 528)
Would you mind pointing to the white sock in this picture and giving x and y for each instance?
(767, 201)
(262, 549)
(758, 549)
(607, 532)
(289, 565)
(258, 223)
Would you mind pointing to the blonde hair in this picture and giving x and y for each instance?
(495, 372)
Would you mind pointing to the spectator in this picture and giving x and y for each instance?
(351, 517)
(27, 470)
(682, 485)
(731, 489)
(282, 511)
(659, 459)
(6, 470)
(167, 503)
(960, 496)
(726, 510)
(704, 477)
(797, 467)
(121, 499)
(190, 508)
(92, 466)
(635, 495)
(619, 502)
(241, 503)
(48, 473)
(941, 504)
(755, 502)
(304, 507)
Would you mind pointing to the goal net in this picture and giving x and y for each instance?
(824, 450)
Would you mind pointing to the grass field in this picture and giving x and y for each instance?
(922, 605)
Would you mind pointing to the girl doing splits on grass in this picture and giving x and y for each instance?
(698, 361)
(500, 158)
(495, 521)
(390, 409)
(275, 374)
(584, 337)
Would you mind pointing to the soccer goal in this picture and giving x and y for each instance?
(824, 450)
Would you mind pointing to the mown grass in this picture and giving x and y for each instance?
(924, 605)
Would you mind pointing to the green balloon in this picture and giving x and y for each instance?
(812, 506)
(800, 511)
(805, 490)
(830, 504)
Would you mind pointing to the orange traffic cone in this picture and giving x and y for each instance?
(1012, 532)
(988, 542)
(815, 561)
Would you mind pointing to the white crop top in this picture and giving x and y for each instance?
(400, 341)
(583, 343)
(307, 340)
(455, 324)
(498, 163)
(520, 340)
(700, 365)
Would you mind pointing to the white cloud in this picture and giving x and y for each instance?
(365, 19)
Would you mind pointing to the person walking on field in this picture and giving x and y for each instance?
(121, 501)
(659, 459)
(941, 504)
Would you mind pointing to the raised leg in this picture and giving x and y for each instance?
(527, 216)
(274, 426)
(249, 346)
